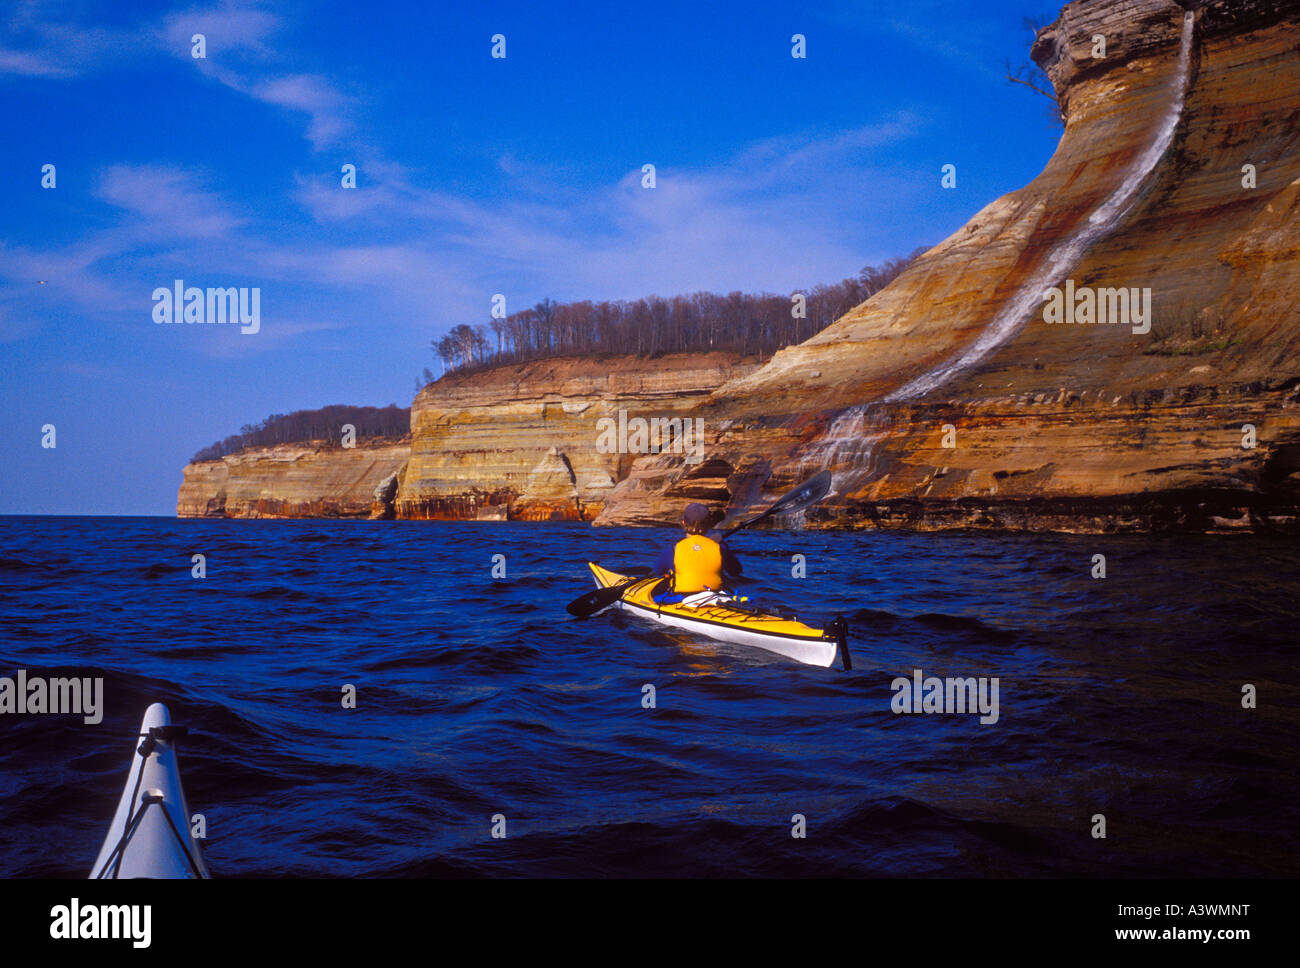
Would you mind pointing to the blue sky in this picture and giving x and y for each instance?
(474, 176)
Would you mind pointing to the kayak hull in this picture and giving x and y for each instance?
(785, 637)
(160, 844)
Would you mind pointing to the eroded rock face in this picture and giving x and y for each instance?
(525, 441)
(1080, 427)
(383, 507)
(551, 491)
(295, 481)
(946, 400)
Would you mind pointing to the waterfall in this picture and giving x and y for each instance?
(1067, 254)
(849, 442)
(852, 437)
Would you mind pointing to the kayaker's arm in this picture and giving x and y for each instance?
(731, 563)
(664, 563)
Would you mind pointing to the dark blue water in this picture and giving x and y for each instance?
(479, 697)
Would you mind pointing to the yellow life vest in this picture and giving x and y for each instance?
(697, 564)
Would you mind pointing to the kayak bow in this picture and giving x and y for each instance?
(729, 622)
(150, 833)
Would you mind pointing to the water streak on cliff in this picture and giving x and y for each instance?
(1066, 255)
(848, 442)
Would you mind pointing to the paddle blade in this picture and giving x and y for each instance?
(806, 494)
(594, 601)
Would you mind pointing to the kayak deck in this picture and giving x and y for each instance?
(150, 833)
(725, 622)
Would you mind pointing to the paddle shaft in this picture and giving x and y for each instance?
(745, 524)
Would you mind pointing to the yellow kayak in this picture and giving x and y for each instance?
(727, 620)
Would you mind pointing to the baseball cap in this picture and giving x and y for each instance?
(696, 514)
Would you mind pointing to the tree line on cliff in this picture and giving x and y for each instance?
(749, 323)
(756, 324)
(324, 424)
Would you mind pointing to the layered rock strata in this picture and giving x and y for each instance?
(533, 441)
(948, 399)
(1178, 172)
(309, 480)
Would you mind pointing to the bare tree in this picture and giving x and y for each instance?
(1028, 74)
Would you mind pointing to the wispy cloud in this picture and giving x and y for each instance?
(160, 206)
(36, 63)
(277, 331)
(781, 158)
(167, 203)
(787, 210)
(778, 213)
(44, 284)
(774, 211)
(326, 107)
(47, 41)
(244, 54)
(230, 29)
(39, 40)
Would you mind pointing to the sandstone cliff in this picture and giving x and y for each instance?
(946, 400)
(519, 442)
(309, 480)
(525, 441)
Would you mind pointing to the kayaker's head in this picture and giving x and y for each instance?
(696, 519)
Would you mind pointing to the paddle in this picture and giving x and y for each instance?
(804, 496)
(594, 601)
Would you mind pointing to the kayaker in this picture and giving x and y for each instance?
(697, 562)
